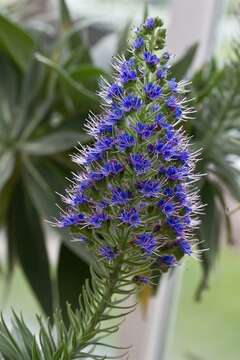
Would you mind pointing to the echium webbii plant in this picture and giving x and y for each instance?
(133, 202)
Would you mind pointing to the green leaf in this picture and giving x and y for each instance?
(54, 143)
(74, 89)
(42, 182)
(65, 15)
(7, 162)
(145, 10)
(227, 174)
(16, 42)
(70, 282)
(123, 38)
(24, 229)
(180, 69)
(209, 232)
(88, 75)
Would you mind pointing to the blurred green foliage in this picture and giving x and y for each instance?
(216, 129)
(47, 87)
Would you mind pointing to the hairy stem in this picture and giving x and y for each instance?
(110, 287)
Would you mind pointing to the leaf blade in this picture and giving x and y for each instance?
(24, 229)
(16, 42)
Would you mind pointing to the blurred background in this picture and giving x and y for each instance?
(52, 54)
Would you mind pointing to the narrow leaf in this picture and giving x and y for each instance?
(25, 230)
(72, 273)
(65, 15)
(7, 161)
(73, 87)
(16, 42)
(54, 143)
(180, 69)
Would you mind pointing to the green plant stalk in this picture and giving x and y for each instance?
(114, 284)
(109, 291)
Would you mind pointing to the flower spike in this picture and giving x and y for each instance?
(137, 178)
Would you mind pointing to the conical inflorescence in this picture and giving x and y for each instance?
(134, 194)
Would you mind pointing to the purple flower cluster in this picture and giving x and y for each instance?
(135, 185)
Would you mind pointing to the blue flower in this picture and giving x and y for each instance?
(176, 224)
(155, 107)
(167, 207)
(108, 252)
(120, 196)
(115, 90)
(153, 91)
(85, 184)
(150, 59)
(174, 106)
(173, 173)
(138, 43)
(173, 84)
(78, 199)
(149, 188)
(96, 176)
(70, 220)
(185, 246)
(92, 155)
(115, 115)
(130, 217)
(172, 102)
(144, 130)
(140, 163)
(127, 73)
(168, 260)
(104, 144)
(97, 220)
(112, 167)
(149, 23)
(162, 73)
(131, 103)
(160, 120)
(147, 242)
(159, 146)
(103, 127)
(125, 141)
(168, 191)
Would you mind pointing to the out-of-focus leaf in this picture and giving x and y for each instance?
(54, 143)
(145, 10)
(123, 38)
(25, 231)
(42, 182)
(39, 115)
(16, 42)
(88, 75)
(72, 87)
(7, 161)
(72, 273)
(209, 232)
(180, 69)
(9, 84)
(228, 175)
(65, 15)
(29, 99)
